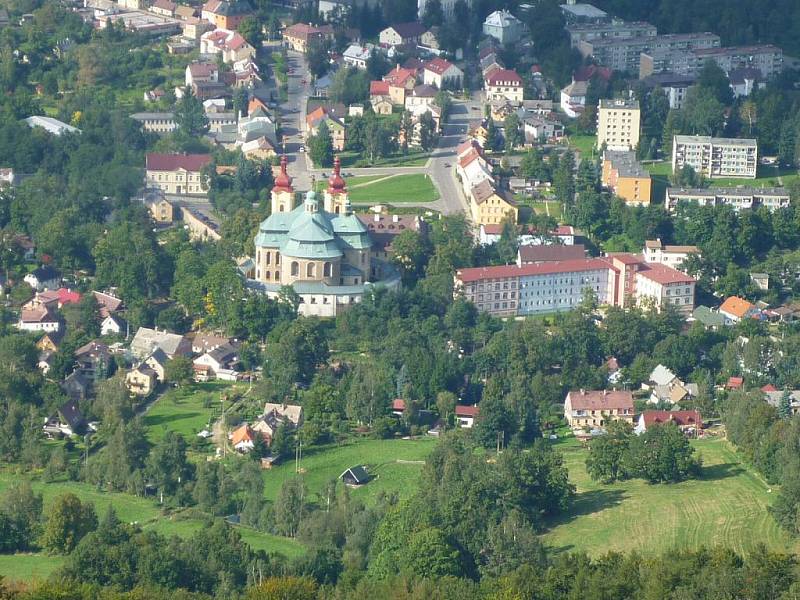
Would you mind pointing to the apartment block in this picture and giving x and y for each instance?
(671, 52)
(766, 58)
(675, 86)
(615, 30)
(618, 124)
(672, 256)
(739, 197)
(546, 287)
(625, 54)
(625, 176)
(715, 157)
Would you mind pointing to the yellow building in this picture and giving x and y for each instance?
(490, 206)
(625, 176)
(618, 124)
(161, 210)
(596, 408)
(178, 174)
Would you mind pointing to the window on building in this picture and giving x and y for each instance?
(295, 268)
(310, 270)
(327, 269)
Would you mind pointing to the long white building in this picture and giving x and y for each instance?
(715, 157)
(739, 197)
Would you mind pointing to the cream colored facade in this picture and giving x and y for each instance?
(489, 207)
(162, 211)
(618, 124)
(179, 181)
(141, 381)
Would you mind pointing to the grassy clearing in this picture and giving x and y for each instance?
(28, 567)
(412, 159)
(323, 464)
(186, 410)
(727, 506)
(553, 209)
(583, 144)
(322, 184)
(767, 176)
(397, 189)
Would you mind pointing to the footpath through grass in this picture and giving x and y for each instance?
(321, 465)
(727, 507)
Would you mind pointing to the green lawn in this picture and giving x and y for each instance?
(584, 144)
(321, 465)
(322, 184)
(727, 506)
(767, 176)
(412, 159)
(186, 410)
(28, 567)
(396, 189)
(553, 209)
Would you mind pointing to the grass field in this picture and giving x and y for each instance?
(186, 410)
(321, 465)
(28, 567)
(553, 209)
(396, 189)
(767, 176)
(584, 144)
(412, 159)
(726, 506)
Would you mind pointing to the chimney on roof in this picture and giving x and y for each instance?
(377, 218)
(583, 391)
(605, 393)
(395, 218)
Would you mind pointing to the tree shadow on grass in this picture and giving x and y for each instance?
(720, 471)
(587, 503)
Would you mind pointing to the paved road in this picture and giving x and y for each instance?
(441, 166)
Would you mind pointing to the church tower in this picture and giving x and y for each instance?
(282, 191)
(337, 201)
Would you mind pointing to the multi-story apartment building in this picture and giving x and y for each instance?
(595, 408)
(658, 285)
(625, 176)
(615, 30)
(580, 12)
(672, 256)
(618, 124)
(739, 197)
(671, 52)
(625, 54)
(766, 58)
(715, 157)
(675, 87)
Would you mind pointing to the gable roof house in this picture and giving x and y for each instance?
(355, 476)
(465, 415)
(489, 204)
(218, 361)
(67, 420)
(50, 341)
(201, 71)
(276, 415)
(734, 309)
(573, 98)
(596, 408)
(107, 303)
(335, 126)
(38, 318)
(686, 420)
(114, 325)
(147, 340)
(43, 278)
(141, 380)
(176, 173)
(76, 386)
(243, 438)
(504, 83)
(401, 83)
(299, 36)
(357, 55)
(443, 74)
(93, 359)
(402, 34)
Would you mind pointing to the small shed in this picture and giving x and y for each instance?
(355, 476)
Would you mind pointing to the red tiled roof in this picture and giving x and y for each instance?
(36, 315)
(242, 434)
(499, 76)
(465, 147)
(586, 73)
(626, 258)
(769, 388)
(504, 271)
(398, 404)
(679, 417)
(736, 306)
(600, 399)
(173, 162)
(378, 88)
(203, 69)
(398, 76)
(438, 65)
(67, 296)
(462, 410)
(468, 158)
(663, 274)
(734, 383)
(542, 253)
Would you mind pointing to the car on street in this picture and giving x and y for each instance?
(302, 149)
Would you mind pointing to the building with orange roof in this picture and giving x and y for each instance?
(401, 82)
(243, 438)
(734, 309)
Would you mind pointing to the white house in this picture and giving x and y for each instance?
(442, 73)
(39, 318)
(504, 83)
(43, 278)
(504, 27)
(357, 55)
(465, 415)
(113, 325)
(573, 98)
